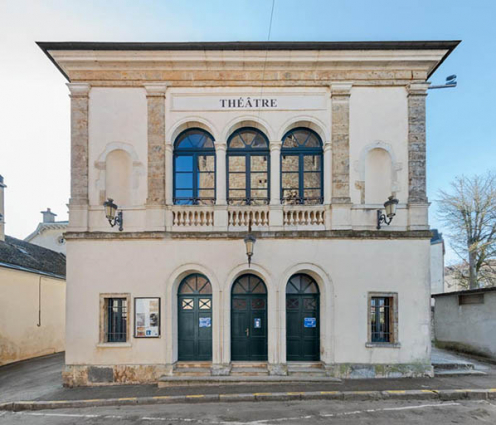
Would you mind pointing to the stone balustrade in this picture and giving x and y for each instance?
(241, 216)
(300, 216)
(192, 216)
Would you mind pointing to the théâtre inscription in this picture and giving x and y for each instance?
(248, 102)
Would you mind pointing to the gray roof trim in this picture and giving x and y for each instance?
(449, 45)
(465, 292)
(28, 270)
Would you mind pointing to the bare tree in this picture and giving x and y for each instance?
(468, 211)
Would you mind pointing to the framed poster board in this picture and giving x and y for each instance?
(146, 317)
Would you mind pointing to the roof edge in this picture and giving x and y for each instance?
(466, 291)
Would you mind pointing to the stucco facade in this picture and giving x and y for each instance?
(363, 102)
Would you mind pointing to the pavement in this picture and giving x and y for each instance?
(37, 382)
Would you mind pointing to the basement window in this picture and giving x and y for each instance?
(466, 299)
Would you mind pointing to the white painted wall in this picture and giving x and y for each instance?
(346, 271)
(50, 238)
(467, 327)
(437, 268)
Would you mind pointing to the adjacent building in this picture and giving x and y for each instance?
(49, 233)
(32, 297)
(281, 150)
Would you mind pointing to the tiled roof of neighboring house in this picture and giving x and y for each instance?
(21, 255)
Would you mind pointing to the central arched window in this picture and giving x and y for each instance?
(248, 167)
(194, 168)
(301, 167)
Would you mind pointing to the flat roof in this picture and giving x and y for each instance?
(448, 45)
(466, 292)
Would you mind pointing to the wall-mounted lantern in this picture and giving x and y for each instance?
(112, 215)
(390, 207)
(249, 243)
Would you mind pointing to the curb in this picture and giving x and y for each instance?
(444, 395)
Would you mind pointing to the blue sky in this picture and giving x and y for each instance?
(34, 119)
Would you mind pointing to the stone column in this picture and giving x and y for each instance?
(220, 169)
(327, 173)
(155, 202)
(276, 213)
(417, 188)
(78, 203)
(340, 139)
(220, 212)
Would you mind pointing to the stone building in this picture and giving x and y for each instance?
(199, 144)
(49, 233)
(32, 297)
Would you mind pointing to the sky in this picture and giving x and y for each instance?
(34, 102)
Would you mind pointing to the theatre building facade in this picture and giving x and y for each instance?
(227, 209)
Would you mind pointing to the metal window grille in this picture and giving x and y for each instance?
(380, 319)
(116, 319)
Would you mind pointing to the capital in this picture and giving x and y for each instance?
(155, 89)
(275, 145)
(78, 89)
(220, 146)
(341, 89)
(418, 89)
(327, 146)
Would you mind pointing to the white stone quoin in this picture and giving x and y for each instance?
(364, 102)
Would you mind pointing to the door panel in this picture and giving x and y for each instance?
(195, 327)
(249, 328)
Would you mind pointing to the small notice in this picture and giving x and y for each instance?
(310, 322)
(205, 322)
(257, 323)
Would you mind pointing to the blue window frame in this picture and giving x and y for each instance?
(248, 166)
(194, 168)
(301, 168)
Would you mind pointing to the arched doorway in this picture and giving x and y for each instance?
(302, 319)
(249, 319)
(195, 319)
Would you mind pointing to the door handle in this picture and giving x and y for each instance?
(247, 331)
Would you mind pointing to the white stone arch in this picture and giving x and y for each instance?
(191, 122)
(360, 167)
(327, 319)
(271, 286)
(171, 313)
(248, 121)
(138, 170)
(306, 121)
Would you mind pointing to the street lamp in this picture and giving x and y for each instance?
(112, 215)
(390, 207)
(249, 243)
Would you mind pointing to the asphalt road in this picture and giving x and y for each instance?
(268, 413)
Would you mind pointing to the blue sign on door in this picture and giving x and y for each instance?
(257, 323)
(310, 322)
(205, 322)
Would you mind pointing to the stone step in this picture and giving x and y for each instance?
(308, 371)
(249, 371)
(305, 365)
(250, 364)
(453, 366)
(177, 381)
(184, 365)
(459, 372)
(192, 371)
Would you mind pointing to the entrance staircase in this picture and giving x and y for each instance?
(192, 369)
(306, 369)
(249, 369)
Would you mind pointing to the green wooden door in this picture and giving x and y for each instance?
(249, 319)
(195, 319)
(302, 319)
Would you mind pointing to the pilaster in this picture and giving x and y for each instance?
(417, 189)
(78, 203)
(220, 173)
(340, 139)
(155, 203)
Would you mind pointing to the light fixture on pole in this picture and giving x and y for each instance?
(112, 215)
(390, 207)
(249, 243)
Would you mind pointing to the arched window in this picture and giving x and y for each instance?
(194, 168)
(248, 167)
(301, 167)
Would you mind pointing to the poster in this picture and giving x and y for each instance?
(310, 322)
(146, 317)
(257, 323)
(205, 322)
